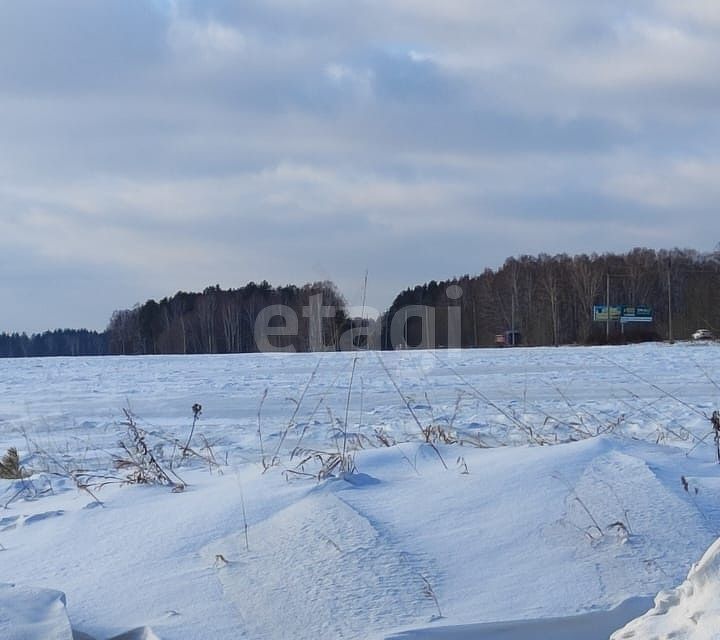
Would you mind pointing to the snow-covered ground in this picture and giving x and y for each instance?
(563, 489)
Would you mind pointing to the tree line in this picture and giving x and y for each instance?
(547, 300)
(61, 342)
(224, 321)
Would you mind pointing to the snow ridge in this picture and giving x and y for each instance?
(318, 569)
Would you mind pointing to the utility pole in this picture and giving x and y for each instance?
(669, 288)
(512, 317)
(405, 329)
(607, 307)
(363, 328)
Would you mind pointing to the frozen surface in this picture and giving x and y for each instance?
(552, 494)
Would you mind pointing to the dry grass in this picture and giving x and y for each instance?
(138, 462)
(329, 463)
(10, 468)
(429, 593)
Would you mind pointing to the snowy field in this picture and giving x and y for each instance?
(558, 492)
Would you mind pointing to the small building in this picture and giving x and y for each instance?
(508, 339)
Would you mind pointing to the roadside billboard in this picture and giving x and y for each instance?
(600, 312)
(622, 313)
(640, 313)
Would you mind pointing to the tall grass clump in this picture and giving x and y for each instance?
(10, 468)
(138, 462)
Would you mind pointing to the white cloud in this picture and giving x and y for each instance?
(675, 186)
(206, 40)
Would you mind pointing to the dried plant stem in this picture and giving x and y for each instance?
(244, 514)
(347, 406)
(259, 427)
(298, 404)
(429, 592)
(409, 408)
(197, 410)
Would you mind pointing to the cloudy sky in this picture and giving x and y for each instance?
(152, 146)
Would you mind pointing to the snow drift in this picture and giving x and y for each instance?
(691, 610)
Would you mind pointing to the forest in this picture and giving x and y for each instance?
(61, 342)
(549, 300)
(222, 321)
(543, 300)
